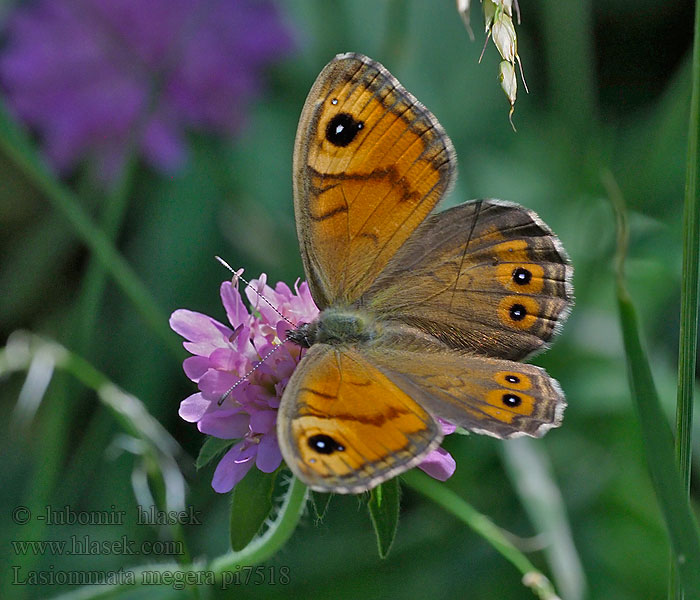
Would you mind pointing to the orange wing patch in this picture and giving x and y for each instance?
(497, 397)
(370, 163)
(349, 426)
(485, 276)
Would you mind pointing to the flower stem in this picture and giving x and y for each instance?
(673, 500)
(273, 539)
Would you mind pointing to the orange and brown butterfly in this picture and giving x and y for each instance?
(423, 314)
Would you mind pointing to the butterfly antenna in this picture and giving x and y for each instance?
(249, 373)
(238, 275)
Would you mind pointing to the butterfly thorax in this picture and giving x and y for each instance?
(336, 326)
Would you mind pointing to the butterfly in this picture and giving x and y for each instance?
(423, 314)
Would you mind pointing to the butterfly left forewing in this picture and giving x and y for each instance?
(344, 426)
(370, 163)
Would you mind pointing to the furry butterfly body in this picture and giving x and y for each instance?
(423, 315)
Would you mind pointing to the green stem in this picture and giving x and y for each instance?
(688, 334)
(17, 148)
(273, 539)
(481, 524)
(222, 567)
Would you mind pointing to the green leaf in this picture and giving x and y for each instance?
(384, 512)
(211, 448)
(274, 537)
(656, 432)
(251, 505)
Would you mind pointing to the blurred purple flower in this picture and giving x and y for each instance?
(223, 354)
(86, 73)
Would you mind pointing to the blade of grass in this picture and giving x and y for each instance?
(160, 450)
(688, 334)
(443, 496)
(656, 433)
(529, 470)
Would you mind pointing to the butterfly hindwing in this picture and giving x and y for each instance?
(485, 276)
(496, 397)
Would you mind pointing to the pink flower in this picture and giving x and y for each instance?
(222, 354)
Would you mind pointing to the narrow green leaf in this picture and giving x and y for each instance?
(384, 513)
(656, 432)
(688, 334)
(211, 448)
(251, 504)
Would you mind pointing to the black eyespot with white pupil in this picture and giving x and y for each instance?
(511, 400)
(342, 129)
(521, 276)
(518, 312)
(324, 444)
(512, 379)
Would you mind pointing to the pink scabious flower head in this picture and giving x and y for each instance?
(88, 75)
(223, 354)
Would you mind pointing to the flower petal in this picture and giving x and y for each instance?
(196, 327)
(233, 304)
(263, 421)
(233, 466)
(439, 464)
(225, 426)
(215, 384)
(447, 427)
(195, 367)
(269, 456)
(193, 408)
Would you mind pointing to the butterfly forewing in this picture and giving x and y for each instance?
(370, 163)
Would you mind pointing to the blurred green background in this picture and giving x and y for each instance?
(609, 90)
